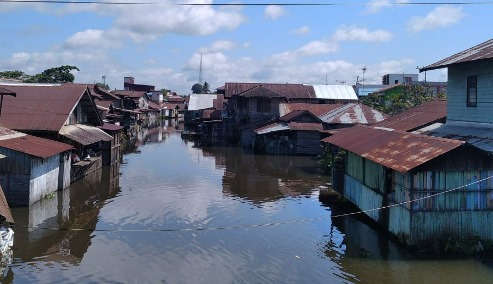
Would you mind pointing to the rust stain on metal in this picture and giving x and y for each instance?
(393, 149)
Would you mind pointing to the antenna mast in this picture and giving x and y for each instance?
(200, 70)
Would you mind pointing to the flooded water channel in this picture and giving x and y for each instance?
(175, 213)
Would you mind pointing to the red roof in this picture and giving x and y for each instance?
(397, 150)
(286, 90)
(42, 107)
(417, 117)
(32, 145)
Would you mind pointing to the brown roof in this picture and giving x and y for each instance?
(5, 91)
(417, 117)
(305, 126)
(45, 107)
(32, 145)
(397, 150)
(130, 94)
(280, 90)
(110, 127)
(297, 113)
(479, 52)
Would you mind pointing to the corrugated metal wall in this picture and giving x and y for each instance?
(363, 197)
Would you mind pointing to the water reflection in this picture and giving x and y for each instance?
(265, 178)
(58, 229)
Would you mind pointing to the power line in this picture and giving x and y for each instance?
(256, 225)
(247, 4)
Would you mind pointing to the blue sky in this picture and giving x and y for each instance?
(161, 43)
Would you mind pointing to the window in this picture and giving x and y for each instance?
(472, 91)
(263, 105)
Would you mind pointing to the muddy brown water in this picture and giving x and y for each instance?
(172, 212)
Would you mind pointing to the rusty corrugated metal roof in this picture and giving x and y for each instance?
(316, 109)
(479, 52)
(45, 107)
(5, 91)
(129, 94)
(417, 117)
(351, 113)
(32, 145)
(284, 90)
(397, 150)
(305, 126)
(84, 134)
(111, 127)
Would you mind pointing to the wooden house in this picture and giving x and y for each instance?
(302, 126)
(253, 103)
(61, 112)
(31, 167)
(435, 186)
(296, 133)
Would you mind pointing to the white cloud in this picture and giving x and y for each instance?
(301, 30)
(220, 45)
(274, 11)
(354, 33)
(440, 17)
(317, 47)
(90, 38)
(148, 22)
(375, 6)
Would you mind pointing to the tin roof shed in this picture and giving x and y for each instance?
(335, 92)
(397, 150)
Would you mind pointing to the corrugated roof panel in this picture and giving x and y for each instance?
(40, 107)
(401, 151)
(35, 146)
(201, 101)
(335, 92)
(417, 117)
(353, 113)
(285, 90)
(84, 134)
(479, 52)
(305, 126)
(277, 126)
(480, 137)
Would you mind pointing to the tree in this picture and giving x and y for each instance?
(103, 86)
(54, 75)
(19, 75)
(411, 96)
(206, 89)
(197, 88)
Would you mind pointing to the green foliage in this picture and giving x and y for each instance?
(411, 96)
(54, 75)
(206, 89)
(330, 159)
(197, 88)
(19, 75)
(103, 86)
